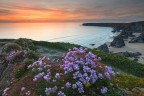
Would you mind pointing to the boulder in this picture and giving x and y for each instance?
(129, 54)
(126, 54)
(104, 48)
(139, 39)
(137, 91)
(118, 42)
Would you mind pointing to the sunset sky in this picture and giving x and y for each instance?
(71, 10)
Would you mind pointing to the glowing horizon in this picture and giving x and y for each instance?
(63, 11)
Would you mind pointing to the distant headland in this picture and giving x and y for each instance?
(132, 26)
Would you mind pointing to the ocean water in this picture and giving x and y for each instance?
(73, 33)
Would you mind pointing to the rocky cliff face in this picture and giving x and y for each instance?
(133, 26)
(137, 26)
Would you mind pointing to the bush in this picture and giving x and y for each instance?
(22, 70)
(26, 44)
(7, 48)
(80, 74)
(33, 55)
(17, 57)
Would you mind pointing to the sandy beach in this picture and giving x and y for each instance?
(132, 47)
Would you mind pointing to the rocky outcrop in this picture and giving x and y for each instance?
(104, 48)
(118, 42)
(139, 39)
(132, 26)
(129, 54)
(138, 91)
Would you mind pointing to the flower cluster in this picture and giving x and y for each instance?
(80, 70)
(5, 92)
(85, 69)
(10, 55)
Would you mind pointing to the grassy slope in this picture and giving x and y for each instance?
(122, 63)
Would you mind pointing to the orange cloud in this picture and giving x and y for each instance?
(33, 13)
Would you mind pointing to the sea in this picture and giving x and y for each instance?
(74, 33)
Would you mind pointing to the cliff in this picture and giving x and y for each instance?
(132, 26)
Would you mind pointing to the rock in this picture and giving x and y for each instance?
(118, 42)
(138, 91)
(104, 48)
(135, 59)
(5, 76)
(134, 54)
(128, 93)
(92, 44)
(129, 54)
(126, 54)
(139, 39)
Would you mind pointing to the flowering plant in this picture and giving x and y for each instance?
(80, 74)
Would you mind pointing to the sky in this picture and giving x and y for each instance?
(71, 10)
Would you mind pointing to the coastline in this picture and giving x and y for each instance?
(130, 47)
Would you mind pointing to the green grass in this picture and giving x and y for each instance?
(130, 82)
(21, 71)
(118, 62)
(122, 63)
(55, 45)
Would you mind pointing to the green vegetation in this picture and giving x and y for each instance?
(26, 44)
(130, 82)
(132, 76)
(33, 55)
(11, 47)
(22, 70)
(55, 45)
(122, 63)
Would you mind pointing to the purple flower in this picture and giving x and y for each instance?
(48, 91)
(47, 78)
(74, 86)
(81, 90)
(79, 84)
(60, 93)
(68, 85)
(57, 75)
(103, 90)
(23, 89)
(54, 89)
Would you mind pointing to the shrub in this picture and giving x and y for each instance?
(22, 70)
(18, 56)
(7, 48)
(33, 55)
(80, 74)
(26, 44)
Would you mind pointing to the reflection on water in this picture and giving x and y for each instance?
(57, 32)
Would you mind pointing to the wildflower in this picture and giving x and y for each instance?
(103, 90)
(68, 85)
(81, 90)
(28, 93)
(48, 91)
(57, 75)
(74, 86)
(23, 89)
(60, 93)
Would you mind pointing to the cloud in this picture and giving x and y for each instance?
(74, 9)
(5, 12)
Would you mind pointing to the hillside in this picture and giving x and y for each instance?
(23, 63)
